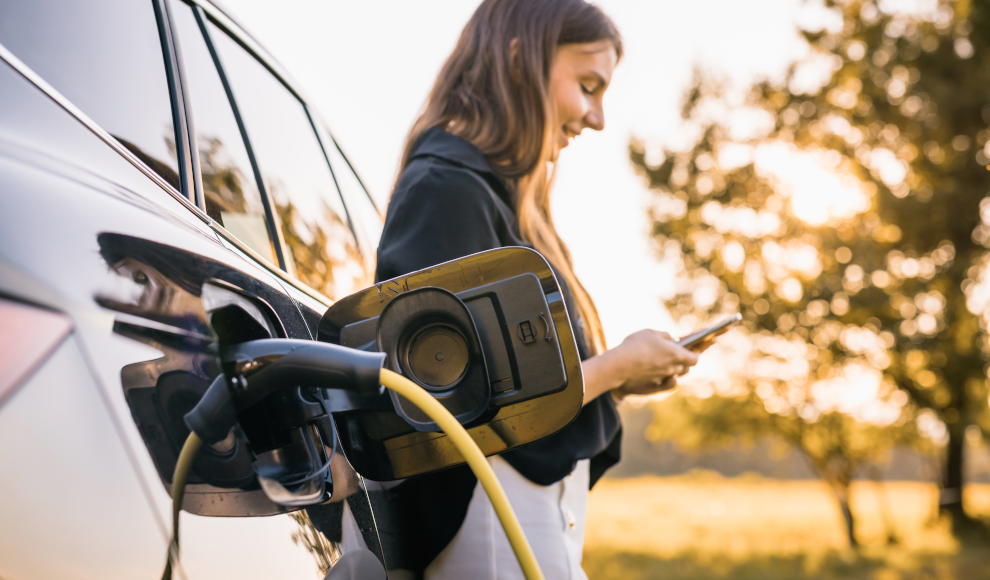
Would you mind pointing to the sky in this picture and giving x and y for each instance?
(368, 66)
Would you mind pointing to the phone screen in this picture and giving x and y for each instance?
(700, 336)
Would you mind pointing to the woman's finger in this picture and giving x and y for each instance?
(659, 386)
(667, 384)
(647, 387)
(687, 357)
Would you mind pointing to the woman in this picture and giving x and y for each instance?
(525, 78)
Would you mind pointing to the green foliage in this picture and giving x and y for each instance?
(870, 271)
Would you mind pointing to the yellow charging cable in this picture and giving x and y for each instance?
(476, 460)
(182, 467)
(447, 423)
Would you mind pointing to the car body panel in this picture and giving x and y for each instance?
(64, 186)
(89, 229)
(69, 489)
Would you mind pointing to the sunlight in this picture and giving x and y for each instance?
(818, 194)
(856, 391)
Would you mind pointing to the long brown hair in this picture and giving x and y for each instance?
(497, 98)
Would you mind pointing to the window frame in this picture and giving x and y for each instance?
(271, 218)
(181, 107)
(185, 152)
(333, 176)
(204, 12)
(38, 81)
(318, 120)
(357, 175)
(248, 42)
(187, 148)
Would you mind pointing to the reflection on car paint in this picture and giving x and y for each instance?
(311, 215)
(167, 297)
(124, 90)
(238, 212)
(164, 285)
(186, 306)
(230, 190)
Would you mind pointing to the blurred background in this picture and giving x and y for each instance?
(820, 167)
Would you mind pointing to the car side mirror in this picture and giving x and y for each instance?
(488, 335)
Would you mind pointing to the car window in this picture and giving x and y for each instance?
(367, 221)
(229, 186)
(106, 57)
(322, 248)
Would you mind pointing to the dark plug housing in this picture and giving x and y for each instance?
(276, 391)
(260, 367)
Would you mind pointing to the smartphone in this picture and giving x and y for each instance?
(697, 338)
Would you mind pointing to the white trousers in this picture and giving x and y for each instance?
(552, 517)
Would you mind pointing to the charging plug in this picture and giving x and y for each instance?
(258, 368)
(272, 388)
(214, 415)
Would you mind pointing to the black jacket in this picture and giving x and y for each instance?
(449, 203)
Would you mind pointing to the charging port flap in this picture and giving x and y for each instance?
(523, 383)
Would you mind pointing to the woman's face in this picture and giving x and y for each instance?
(579, 77)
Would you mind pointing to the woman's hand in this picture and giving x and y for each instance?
(645, 388)
(646, 362)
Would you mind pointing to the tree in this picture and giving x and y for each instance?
(851, 231)
(835, 445)
(325, 552)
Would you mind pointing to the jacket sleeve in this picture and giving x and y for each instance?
(439, 212)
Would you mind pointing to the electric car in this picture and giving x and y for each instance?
(167, 193)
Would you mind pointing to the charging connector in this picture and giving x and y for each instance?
(263, 367)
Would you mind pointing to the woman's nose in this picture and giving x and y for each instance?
(595, 119)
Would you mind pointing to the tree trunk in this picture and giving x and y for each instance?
(847, 515)
(840, 489)
(883, 505)
(950, 498)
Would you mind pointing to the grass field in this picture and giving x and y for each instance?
(702, 526)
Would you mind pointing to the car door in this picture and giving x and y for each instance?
(252, 127)
(97, 224)
(73, 501)
(88, 234)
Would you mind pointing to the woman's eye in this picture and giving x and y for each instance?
(587, 91)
